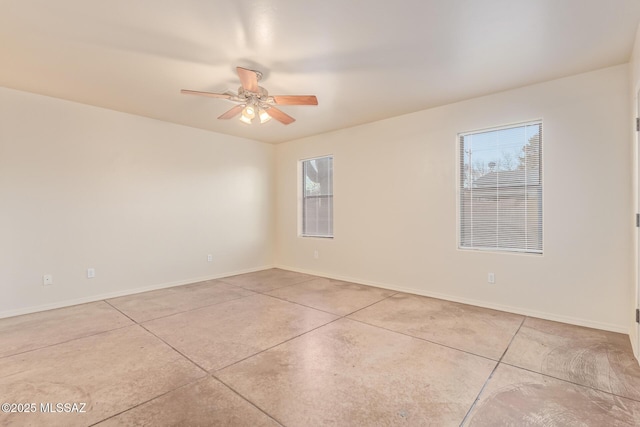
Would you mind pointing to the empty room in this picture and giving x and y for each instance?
(350, 213)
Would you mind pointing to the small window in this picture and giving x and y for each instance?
(317, 197)
(500, 200)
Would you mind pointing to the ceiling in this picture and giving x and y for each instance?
(365, 60)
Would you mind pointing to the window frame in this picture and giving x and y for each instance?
(302, 197)
(459, 183)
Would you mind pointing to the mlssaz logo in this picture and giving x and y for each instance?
(63, 407)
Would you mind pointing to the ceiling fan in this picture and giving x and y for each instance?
(254, 100)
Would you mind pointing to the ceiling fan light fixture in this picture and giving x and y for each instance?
(249, 111)
(245, 119)
(264, 116)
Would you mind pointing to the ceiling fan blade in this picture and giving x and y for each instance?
(209, 94)
(232, 112)
(248, 78)
(280, 115)
(295, 99)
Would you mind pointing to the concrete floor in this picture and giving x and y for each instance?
(278, 347)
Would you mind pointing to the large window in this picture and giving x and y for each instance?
(317, 197)
(501, 189)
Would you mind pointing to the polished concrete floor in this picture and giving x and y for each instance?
(282, 348)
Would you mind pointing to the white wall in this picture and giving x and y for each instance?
(395, 204)
(144, 201)
(141, 201)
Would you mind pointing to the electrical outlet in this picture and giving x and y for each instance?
(316, 254)
(47, 280)
(209, 257)
(91, 273)
(491, 278)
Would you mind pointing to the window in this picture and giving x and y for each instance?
(501, 189)
(317, 197)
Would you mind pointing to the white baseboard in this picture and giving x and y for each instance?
(100, 297)
(634, 344)
(510, 309)
(478, 303)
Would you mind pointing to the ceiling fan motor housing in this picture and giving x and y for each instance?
(260, 98)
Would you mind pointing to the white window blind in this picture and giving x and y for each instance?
(317, 197)
(501, 189)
